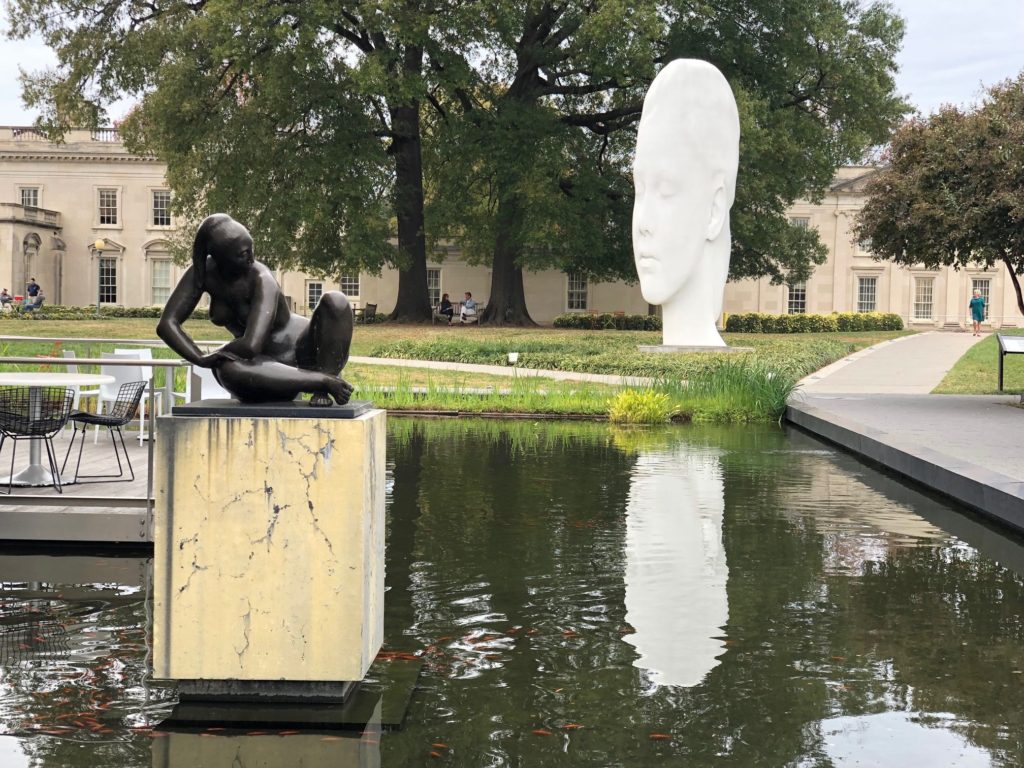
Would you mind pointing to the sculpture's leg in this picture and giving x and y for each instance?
(263, 380)
(325, 343)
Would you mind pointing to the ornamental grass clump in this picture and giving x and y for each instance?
(737, 391)
(641, 406)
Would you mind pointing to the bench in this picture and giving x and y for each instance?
(1008, 345)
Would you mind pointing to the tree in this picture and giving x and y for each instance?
(952, 190)
(535, 169)
(301, 119)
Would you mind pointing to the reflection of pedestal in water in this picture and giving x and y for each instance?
(675, 564)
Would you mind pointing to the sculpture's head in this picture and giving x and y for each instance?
(227, 241)
(687, 153)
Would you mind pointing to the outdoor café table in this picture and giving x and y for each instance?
(37, 473)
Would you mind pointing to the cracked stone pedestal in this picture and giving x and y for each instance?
(269, 552)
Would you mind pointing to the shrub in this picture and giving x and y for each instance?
(759, 322)
(607, 321)
(60, 312)
(640, 406)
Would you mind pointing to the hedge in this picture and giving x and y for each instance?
(59, 312)
(759, 322)
(606, 321)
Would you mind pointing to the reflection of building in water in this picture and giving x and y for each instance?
(858, 523)
(675, 564)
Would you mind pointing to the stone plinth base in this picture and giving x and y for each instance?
(669, 348)
(269, 551)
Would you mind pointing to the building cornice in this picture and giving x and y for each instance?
(77, 157)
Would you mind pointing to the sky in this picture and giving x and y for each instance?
(952, 49)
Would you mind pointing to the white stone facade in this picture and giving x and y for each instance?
(88, 220)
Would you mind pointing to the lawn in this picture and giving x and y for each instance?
(757, 381)
(977, 372)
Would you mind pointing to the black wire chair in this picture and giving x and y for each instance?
(34, 413)
(121, 411)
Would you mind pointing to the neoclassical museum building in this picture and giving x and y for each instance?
(91, 222)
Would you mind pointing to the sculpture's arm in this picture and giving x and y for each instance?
(260, 321)
(178, 309)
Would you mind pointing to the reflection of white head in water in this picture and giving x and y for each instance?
(687, 153)
(675, 564)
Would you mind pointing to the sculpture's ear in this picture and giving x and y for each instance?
(719, 210)
(199, 252)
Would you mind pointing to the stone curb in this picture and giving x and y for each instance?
(995, 495)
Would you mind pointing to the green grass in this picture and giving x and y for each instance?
(608, 352)
(977, 372)
(700, 387)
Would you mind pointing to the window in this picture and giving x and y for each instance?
(923, 291)
(161, 208)
(867, 291)
(30, 197)
(350, 285)
(314, 290)
(577, 294)
(984, 286)
(108, 206)
(800, 222)
(797, 298)
(108, 281)
(161, 280)
(434, 286)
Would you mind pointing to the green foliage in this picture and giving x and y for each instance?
(759, 322)
(608, 321)
(60, 312)
(614, 354)
(952, 190)
(542, 167)
(737, 390)
(640, 406)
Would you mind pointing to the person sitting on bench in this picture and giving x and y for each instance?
(468, 312)
(32, 304)
(445, 308)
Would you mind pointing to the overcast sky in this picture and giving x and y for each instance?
(952, 48)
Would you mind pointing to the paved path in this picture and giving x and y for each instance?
(909, 365)
(875, 404)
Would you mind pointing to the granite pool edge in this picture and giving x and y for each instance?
(996, 496)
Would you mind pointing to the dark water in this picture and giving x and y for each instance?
(590, 596)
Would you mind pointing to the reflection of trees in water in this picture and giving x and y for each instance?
(519, 528)
(505, 529)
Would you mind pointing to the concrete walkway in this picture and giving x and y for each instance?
(876, 404)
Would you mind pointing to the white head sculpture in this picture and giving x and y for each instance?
(687, 153)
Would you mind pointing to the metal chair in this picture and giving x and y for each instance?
(34, 413)
(120, 412)
(144, 353)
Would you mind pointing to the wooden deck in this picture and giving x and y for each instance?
(95, 512)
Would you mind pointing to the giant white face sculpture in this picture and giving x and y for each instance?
(684, 174)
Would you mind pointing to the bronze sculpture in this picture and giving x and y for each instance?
(275, 355)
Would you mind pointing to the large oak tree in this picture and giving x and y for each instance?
(951, 192)
(299, 118)
(534, 169)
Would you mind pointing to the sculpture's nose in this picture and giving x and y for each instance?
(642, 220)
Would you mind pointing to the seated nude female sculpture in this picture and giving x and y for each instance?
(275, 354)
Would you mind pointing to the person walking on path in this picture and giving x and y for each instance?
(977, 305)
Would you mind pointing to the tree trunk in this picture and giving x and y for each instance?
(413, 303)
(1016, 284)
(506, 304)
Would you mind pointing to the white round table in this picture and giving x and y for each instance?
(36, 473)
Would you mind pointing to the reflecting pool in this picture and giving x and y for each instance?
(586, 595)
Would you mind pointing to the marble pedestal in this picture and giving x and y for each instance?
(269, 553)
